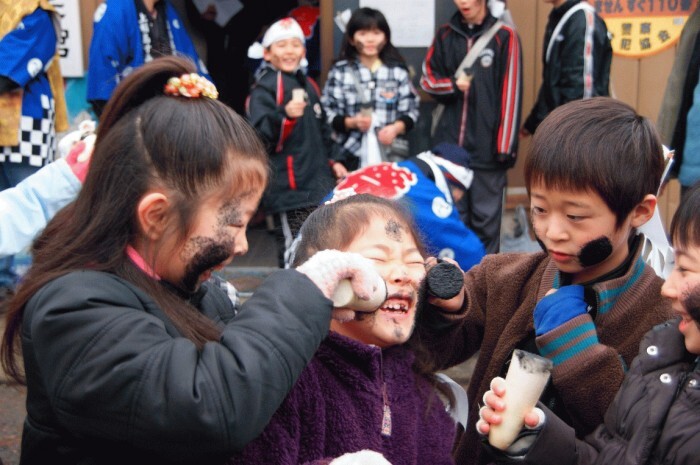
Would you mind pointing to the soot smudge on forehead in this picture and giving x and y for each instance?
(394, 230)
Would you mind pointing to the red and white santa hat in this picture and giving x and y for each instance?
(285, 28)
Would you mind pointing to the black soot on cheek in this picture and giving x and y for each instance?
(209, 254)
(595, 251)
(691, 302)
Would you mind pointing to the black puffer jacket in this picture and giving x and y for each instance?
(654, 419)
(111, 381)
(573, 72)
(300, 149)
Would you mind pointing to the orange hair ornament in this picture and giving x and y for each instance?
(191, 85)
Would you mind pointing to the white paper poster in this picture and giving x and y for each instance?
(70, 41)
(225, 9)
(412, 22)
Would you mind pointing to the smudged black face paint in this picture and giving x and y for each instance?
(208, 254)
(691, 301)
(393, 230)
(595, 251)
(363, 316)
(229, 214)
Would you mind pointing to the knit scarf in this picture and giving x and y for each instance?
(11, 13)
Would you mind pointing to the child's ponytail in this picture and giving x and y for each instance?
(142, 87)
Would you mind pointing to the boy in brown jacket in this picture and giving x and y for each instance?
(654, 417)
(592, 172)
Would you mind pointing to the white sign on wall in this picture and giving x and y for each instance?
(412, 22)
(70, 41)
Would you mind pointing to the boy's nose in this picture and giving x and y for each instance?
(240, 244)
(555, 231)
(398, 273)
(668, 289)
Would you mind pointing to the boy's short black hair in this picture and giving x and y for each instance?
(685, 225)
(600, 145)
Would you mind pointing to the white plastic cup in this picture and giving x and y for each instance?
(298, 94)
(525, 381)
(345, 297)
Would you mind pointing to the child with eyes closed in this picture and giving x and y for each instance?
(366, 393)
(663, 379)
(132, 353)
(592, 172)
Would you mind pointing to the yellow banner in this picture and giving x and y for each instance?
(643, 27)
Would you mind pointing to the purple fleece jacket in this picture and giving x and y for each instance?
(337, 407)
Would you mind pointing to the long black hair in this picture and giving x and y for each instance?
(369, 18)
(192, 147)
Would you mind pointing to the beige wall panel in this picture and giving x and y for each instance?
(653, 74)
(327, 25)
(624, 76)
(528, 17)
(525, 17)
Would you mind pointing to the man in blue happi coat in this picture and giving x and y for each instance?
(127, 34)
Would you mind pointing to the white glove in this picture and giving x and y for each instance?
(363, 457)
(328, 267)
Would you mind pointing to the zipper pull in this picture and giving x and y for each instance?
(386, 418)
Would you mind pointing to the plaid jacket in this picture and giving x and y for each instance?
(388, 91)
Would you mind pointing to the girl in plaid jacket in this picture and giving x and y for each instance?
(369, 89)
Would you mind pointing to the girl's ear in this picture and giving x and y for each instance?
(643, 211)
(152, 214)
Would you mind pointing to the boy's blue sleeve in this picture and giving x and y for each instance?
(556, 309)
(25, 51)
